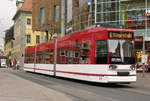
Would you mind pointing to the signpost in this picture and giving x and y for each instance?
(144, 58)
(144, 62)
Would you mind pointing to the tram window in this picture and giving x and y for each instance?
(25, 60)
(101, 52)
(62, 52)
(121, 52)
(84, 53)
(45, 57)
(69, 55)
(48, 57)
(39, 58)
(61, 56)
(76, 54)
(51, 56)
(29, 58)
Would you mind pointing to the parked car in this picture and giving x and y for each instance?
(3, 62)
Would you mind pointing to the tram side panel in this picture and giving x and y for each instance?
(44, 68)
(82, 72)
(29, 67)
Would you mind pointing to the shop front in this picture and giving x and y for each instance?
(139, 52)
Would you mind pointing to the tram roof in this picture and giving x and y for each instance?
(93, 30)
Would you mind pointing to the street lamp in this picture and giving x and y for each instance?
(63, 20)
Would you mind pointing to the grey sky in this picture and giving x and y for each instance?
(7, 11)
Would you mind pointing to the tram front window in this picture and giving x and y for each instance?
(121, 52)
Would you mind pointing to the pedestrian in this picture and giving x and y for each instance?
(14, 63)
(9, 63)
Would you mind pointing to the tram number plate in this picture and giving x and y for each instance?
(123, 73)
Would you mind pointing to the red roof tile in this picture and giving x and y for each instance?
(27, 5)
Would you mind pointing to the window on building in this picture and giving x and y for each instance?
(37, 39)
(107, 11)
(42, 15)
(28, 21)
(56, 13)
(28, 38)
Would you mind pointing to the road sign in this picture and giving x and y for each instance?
(144, 58)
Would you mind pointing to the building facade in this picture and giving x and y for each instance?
(129, 13)
(135, 14)
(8, 42)
(47, 18)
(24, 36)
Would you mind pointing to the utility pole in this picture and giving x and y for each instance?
(63, 3)
(95, 11)
(55, 58)
(90, 13)
(144, 55)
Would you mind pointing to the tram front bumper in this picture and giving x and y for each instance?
(121, 79)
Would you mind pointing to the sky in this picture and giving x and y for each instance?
(7, 11)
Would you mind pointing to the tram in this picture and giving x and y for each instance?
(98, 54)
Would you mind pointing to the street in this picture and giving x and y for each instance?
(86, 91)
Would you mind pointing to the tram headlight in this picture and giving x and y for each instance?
(112, 67)
(132, 67)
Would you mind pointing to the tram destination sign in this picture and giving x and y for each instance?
(120, 35)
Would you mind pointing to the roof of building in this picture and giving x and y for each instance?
(27, 5)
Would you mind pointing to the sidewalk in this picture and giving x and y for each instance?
(13, 88)
(143, 81)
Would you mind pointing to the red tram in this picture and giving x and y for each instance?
(97, 54)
